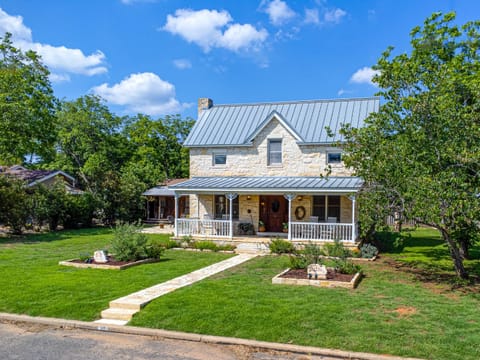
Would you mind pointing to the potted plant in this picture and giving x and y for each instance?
(261, 226)
(285, 227)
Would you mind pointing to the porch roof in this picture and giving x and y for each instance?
(269, 184)
(159, 191)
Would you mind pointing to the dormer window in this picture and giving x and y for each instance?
(274, 152)
(219, 159)
(334, 158)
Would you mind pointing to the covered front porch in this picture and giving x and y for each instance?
(298, 208)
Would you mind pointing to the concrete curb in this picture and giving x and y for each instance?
(176, 335)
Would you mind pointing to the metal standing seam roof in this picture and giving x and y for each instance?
(233, 125)
(272, 184)
(159, 191)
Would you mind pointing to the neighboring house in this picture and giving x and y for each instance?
(33, 178)
(264, 162)
(161, 203)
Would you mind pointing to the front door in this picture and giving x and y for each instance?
(273, 212)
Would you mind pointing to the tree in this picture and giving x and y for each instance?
(420, 154)
(27, 106)
(14, 204)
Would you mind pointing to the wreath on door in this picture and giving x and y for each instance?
(299, 212)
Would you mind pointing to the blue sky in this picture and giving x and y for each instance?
(159, 56)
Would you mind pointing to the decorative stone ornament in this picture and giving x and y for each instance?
(100, 256)
(317, 271)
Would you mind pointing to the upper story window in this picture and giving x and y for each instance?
(274, 152)
(334, 158)
(219, 159)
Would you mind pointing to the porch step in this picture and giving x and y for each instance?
(252, 248)
(111, 322)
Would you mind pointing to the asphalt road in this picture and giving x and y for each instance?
(21, 341)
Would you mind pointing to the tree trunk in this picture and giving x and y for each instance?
(464, 245)
(455, 254)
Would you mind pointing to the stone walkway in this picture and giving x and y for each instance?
(121, 310)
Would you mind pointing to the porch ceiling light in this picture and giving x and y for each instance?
(249, 197)
(300, 198)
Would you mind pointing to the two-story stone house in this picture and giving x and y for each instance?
(263, 163)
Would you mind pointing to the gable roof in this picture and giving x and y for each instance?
(33, 177)
(238, 124)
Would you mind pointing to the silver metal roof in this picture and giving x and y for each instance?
(159, 191)
(234, 125)
(269, 184)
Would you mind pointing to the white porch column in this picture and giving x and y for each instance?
(352, 199)
(231, 197)
(177, 196)
(289, 197)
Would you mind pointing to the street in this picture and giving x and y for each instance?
(39, 342)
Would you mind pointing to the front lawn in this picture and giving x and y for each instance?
(32, 282)
(391, 311)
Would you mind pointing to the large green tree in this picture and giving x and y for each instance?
(27, 106)
(420, 154)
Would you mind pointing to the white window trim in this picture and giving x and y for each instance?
(216, 154)
(281, 152)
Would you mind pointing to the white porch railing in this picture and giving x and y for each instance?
(205, 227)
(321, 231)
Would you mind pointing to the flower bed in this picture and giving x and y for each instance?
(334, 279)
(112, 264)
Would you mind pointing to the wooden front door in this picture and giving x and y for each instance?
(273, 212)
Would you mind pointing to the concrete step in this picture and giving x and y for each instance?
(111, 322)
(118, 314)
(130, 304)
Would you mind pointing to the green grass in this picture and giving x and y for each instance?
(32, 282)
(391, 311)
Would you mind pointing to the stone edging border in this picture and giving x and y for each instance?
(105, 266)
(177, 335)
(278, 280)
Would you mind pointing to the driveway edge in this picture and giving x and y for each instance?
(176, 335)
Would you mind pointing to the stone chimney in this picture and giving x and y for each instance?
(204, 104)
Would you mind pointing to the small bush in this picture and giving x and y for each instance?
(313, 253)
(368, 251)
(155, 249)
(171, 244)
(205, 245)
(336, 250)
(128, 243)
(226, 247)
(298, 261)
(280, 246)
(347, 267)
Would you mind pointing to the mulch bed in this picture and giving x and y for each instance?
(331, 275)
(111, 261)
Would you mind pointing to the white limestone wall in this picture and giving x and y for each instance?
(297, 160)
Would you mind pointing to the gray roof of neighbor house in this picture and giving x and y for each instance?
(271, 184)
(238, 124)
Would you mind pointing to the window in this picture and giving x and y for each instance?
(219, 159)
(326, 207)
(274, 152)
(222, 207)
(334, 158)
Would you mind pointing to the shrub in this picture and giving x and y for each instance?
(128, 243)
(347, 267)
(226, 247)
(280, 246)
(336, 250)
(298, 261)
(205, 245)
(368, 251)
(313, 253)
(171, 244)
(155, 249)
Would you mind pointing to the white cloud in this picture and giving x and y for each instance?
(58, 78)
(334, 16)
(278, 11)
(142, 93)
(344, 92)
(60, 59)
(213, 29)
(364, 76)
(182, 64)
(311, 16)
